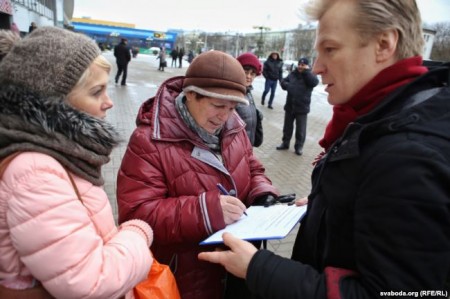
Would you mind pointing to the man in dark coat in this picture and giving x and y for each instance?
(378, 217)
(299, 85)
(123, 57)
(174, 55)
(180, 57)
(272, 72)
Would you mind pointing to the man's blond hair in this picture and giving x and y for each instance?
(375, 16)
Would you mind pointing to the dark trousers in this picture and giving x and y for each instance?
(174, 62)
(122, 68)
(300, 128)
(272, 86)
(180, 62)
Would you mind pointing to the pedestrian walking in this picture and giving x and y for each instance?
(272, 72)
(123, 57)
(32, 27)
(299, 85)
(180, 57)
(162, 59)
(174, 55)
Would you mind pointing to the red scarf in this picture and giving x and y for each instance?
(398, 74)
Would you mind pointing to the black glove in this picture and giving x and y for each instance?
(286, 198)
(265, 200)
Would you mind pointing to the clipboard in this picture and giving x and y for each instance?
(262, 223)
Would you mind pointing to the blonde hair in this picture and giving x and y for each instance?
(99, 61)
(375, 16)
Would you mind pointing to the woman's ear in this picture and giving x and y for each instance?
(387, 42)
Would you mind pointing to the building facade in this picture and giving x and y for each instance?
(42, 12)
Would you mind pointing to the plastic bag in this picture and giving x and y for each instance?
(160, 284)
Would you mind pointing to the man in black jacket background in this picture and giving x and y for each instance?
(272, 72)
(299, 85)
(123, 57)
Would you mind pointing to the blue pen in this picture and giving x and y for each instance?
(225, 192)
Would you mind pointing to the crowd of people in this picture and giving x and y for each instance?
(378, 212)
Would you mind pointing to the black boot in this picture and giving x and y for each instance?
(283, 146)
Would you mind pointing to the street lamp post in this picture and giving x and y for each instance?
(260, 42)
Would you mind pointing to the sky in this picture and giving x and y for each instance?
(219, 15)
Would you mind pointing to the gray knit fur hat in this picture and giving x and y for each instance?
(49, 61)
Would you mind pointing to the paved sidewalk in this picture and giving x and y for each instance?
(289, 172)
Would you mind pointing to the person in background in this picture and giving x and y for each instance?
(58, 236)
(272, 72)
(249, 113)
(174, 55)
(188, 139)
(180, 57)
(299, 85)
(32, 27)
(378, 217)
(162, 59)
(191, 56)
(123, 57)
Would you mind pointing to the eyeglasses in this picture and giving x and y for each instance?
(250, 72)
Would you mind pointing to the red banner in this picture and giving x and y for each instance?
(6, 7)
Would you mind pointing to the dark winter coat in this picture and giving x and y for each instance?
(379, 211)
(273, 68)
(248, 113)
(299, 86)
(174, 54)
(122, 53)
(169, 178)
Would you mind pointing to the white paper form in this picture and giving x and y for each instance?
(274, 222)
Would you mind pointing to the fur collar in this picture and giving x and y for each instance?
(79, 141)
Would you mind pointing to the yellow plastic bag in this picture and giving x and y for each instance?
(160, 284)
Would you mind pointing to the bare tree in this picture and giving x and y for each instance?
(441, 45)
(303, 43)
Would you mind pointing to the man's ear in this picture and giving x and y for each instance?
(387, 42)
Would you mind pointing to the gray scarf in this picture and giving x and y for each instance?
(78, 141)
(211, 140)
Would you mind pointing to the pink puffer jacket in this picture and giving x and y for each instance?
(73, 248)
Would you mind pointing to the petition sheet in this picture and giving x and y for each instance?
(273, 222)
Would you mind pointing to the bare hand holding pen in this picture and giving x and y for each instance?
(232, 208)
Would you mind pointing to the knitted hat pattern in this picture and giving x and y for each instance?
(218, 75)
(49, 61)
(250, 59)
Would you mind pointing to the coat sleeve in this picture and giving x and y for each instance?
(260, 183)
(401, 221)
(58, 242)
(128, 53)
(280, 70)
(284, 83)
(142, 193)
(310, 78)
(273, 277)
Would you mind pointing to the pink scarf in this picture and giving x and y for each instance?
(389, 79)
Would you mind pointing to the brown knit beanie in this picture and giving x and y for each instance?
(49, 61)
(218, 75)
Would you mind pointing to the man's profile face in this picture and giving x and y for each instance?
(344, 64)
